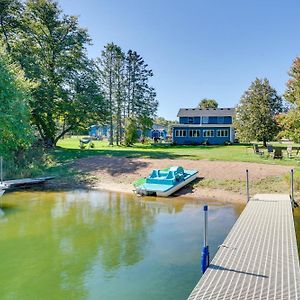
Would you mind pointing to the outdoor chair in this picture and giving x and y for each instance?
(256, 150)
(277, 153)
(289, 151)
(270, 149)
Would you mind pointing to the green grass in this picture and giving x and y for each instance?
(68, 149)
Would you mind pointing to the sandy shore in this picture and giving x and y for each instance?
(118, 173)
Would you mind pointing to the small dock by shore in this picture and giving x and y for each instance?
(25, 182)
(259, 258)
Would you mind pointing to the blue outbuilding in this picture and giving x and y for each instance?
(210, 125)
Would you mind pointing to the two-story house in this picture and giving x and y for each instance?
(196, 125)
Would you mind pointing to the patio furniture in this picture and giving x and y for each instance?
(289, 151)
(270, 149)
(277, 153)
(256, 150)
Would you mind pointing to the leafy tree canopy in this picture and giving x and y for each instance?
(16, 132)
(255, 114)
(208, 103)
(50, 47)
(290, 121)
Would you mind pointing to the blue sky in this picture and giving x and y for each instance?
(197, 48)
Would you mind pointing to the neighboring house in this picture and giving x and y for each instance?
(102, 131)
(211, 125)
(159, 131)
(98, 131)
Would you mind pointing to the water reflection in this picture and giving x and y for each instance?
(96, 245)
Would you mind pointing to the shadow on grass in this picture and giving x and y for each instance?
(63, 154)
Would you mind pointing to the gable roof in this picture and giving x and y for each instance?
(206, 112)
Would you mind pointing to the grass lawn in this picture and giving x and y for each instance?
(68, 149)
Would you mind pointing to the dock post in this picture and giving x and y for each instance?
(247, 185)
(292, 185)
(205, 250)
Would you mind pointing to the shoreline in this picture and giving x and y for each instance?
(218, 195)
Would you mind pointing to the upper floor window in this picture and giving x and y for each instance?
(222, 133)
(180, 133)
(220, 120)
(208, 133)
(194, 132)
(191, 120)
(204, 120)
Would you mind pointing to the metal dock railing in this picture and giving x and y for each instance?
(259, 257)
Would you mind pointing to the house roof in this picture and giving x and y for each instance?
(206, 112)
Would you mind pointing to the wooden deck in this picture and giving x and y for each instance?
(259, 257)
(25, 182)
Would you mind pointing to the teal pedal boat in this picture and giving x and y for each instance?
(163, 183)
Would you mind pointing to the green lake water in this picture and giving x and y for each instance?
(100, 245)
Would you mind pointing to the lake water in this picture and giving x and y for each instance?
(100, 245)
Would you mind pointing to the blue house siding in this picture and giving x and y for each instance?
(186, 140)
(205, 120)
(190, 120)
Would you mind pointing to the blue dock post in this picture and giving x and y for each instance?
(292, 185)
(247, 185)
(205, 250)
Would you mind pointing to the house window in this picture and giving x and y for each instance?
(208, 133)
(191, 120)
(180, 133)
(204, 120)
(222, 133)
(194, 132)
(220, 120)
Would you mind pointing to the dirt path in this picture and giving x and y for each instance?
(118, 173)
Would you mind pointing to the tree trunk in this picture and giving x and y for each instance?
(265, 143)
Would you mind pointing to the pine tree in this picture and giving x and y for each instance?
(141, 100)
(111, 68)
(255, 115)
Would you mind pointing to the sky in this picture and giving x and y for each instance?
(198, 49)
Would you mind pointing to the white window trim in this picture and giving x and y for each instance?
(179, 132)
(224, 130)
(195, 136)
(209, 130)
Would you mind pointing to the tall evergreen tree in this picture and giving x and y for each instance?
(255, 115)
(111, 68)
(140, 96)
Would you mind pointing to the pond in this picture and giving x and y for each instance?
(100, 245)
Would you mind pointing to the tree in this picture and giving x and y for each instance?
(111, 68)
(50, 47)
(255, 115)
(140, 96)
(10, 17)
(16, 133)
(131, 134)
(290, 121)
(208, 103)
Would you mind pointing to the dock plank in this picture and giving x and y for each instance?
(259, 257)
(15, 183)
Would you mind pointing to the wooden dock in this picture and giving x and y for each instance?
(25, 182)
(259, 257)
